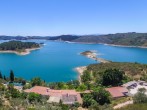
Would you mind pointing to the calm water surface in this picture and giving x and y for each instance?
(56, 60)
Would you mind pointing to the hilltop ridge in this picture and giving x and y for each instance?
(122, 39)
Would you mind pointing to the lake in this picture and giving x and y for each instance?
(56, 61)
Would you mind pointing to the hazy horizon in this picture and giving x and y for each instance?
(70, 34)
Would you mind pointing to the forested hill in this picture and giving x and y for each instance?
(64, 38)
(18, 45)
(126, 39)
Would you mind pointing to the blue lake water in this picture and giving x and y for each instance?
(56, 60)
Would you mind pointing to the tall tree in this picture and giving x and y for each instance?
(4, 77)
(11, 76)
(1, 77)
(36, 81)
(112, 77)
(88, 100)
(101, 96)
(86, 77)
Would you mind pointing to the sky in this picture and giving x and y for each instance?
(78, 17)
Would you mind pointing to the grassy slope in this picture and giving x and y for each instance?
(134, 70)
(135, 107)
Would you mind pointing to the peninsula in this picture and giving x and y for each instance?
(18, 47)
(93, 55)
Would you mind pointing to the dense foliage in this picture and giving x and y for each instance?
(11, 76)
(109, 77)
(18, 46)
(64, 37)
(132, 70)
(99, 96)
(112, 77)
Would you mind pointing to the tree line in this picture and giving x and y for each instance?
(11, 76)
(18, 45)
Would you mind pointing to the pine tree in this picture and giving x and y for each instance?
(1, 76)
(4, 77)
(11, 76)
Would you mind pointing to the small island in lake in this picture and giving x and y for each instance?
(18, 47)
(93, 55)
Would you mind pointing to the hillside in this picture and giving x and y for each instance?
(126, 39)
(142, 106)
(61, 37)
(133, 70)
(64, 38)
(93, 39)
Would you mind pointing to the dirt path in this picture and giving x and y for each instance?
(123, 104)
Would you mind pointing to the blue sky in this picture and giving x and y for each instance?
(56, 17)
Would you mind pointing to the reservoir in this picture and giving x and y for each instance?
(56, 61)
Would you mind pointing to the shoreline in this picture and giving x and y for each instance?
(27, 51)
(108, 44)
(124, 46)
(80, 71)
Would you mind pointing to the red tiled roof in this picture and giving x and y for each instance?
(117, 91)
(50, 92)
(38, 89)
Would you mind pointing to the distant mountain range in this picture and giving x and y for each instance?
(125, 39)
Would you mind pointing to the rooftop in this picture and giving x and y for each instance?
(117, 91)
(39, 90)
(56, 94)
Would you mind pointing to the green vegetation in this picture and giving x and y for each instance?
(109, 77)
(36, 81)
(65, 85)
(140, 97)
(18, 46)
(34, 97)
(139, 100)
(11, 76)
(1, 75)
(94, 79)
(126, 39)
(133, 71)
(112, 74)
(64, 37)
(120, 100)
(99, 97)
(112, 77)
(96, 99)
(86, 53)
(134, 107)
(12, 99)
